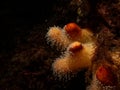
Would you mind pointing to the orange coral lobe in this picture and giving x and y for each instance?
(105, 76)
(76, 48)
(72, 28)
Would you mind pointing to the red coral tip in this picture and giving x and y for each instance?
(106, 76)
(72, 28)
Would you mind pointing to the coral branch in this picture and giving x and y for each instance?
(77, 57)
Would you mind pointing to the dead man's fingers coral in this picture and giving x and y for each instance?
(72, 30)
(77, 57)
(81, 55)
(76, 33)
(56, 37)
(62, 37)
(104, 78)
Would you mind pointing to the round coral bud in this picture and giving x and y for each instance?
(106, 76)
(72, 29)
(76, 46)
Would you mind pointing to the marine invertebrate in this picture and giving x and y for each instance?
(56, 37)
(106, 75)
(105, 72)
(104, 78)
(75, 33)
(76, 57)
(83, 50)
(62, 37)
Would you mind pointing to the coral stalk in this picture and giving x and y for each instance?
(77, 57)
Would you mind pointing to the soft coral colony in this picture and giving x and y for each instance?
(80, 51)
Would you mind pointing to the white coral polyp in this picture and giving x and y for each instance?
(56, 37)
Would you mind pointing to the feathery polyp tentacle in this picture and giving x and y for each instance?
(56, 37)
